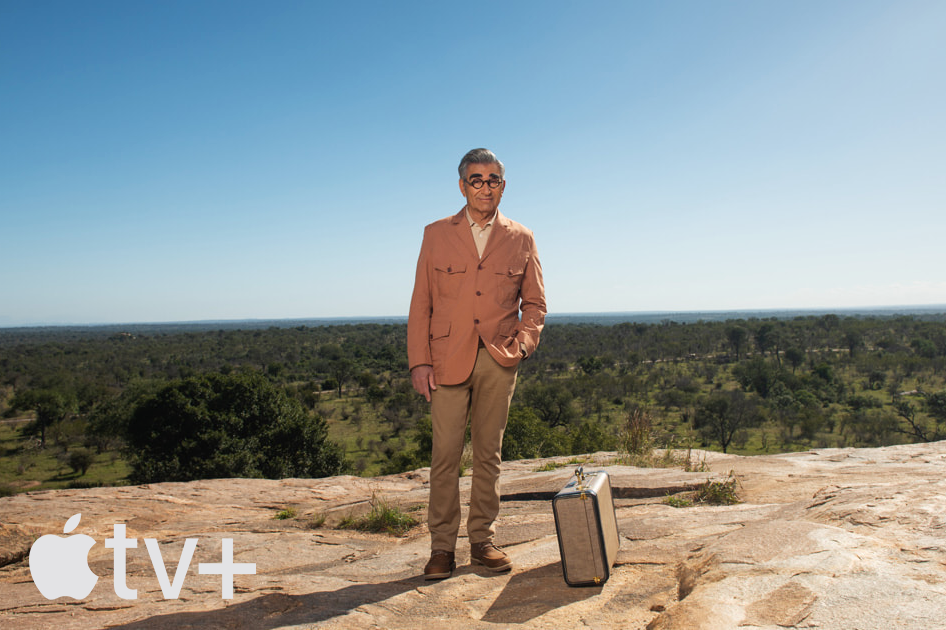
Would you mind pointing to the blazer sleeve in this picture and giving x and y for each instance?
(418, 319)
(532, 304)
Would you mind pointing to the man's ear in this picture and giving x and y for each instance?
(462, 192)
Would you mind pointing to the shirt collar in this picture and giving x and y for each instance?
(470, 220)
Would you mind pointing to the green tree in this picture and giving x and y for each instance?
(795, 356)
(766, 337)
(924, 348)
(932, 429)
(936, 406)
(868, 426)
(417, 457)
(552, 402)
(737, 336)
(342, 371)
(756, 375)
(527, 437)
(110, 417)
(916, 426)
(591, 437)
(237, 425)
(853, 340)
(50, 405)
(590, 365)
(80, 460)
(723, 414)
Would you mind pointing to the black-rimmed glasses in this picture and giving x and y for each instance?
(477, 182)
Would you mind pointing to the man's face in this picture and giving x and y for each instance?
(483, 200)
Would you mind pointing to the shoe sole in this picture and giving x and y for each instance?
(499, 569)
(439, 576)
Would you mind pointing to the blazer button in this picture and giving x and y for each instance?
(480, 267)
(476, 321)
(478, 293)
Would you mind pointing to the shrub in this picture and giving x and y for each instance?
(718, 492)
(236, 425)
(383, 517)
(528, 437)
(590, 437)
(80, 460)
(637, 437)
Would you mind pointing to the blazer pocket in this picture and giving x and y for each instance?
(508, 282)
(505, 333)
(439, 330)
(449, 277)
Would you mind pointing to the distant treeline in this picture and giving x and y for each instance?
(107, 358)
(29, 334)
(752, 385)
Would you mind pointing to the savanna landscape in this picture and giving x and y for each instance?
(93, 406)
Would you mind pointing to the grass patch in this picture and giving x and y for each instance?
(550, 466)
(718, 492)
(677, 501)
(708, 493)
(317, 522)
(664, 458)
(574, 461)
(383, 517)
(286, 514)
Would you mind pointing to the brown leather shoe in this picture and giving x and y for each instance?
(487, 554)
(440, 565)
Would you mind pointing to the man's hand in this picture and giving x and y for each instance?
(422, 377)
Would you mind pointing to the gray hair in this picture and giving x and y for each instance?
(480, 156)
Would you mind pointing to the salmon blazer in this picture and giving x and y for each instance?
(460, 298)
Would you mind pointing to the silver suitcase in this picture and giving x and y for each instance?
(587, 528)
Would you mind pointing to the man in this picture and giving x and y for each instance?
(465, 339)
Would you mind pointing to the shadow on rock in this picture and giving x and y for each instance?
(535, 592)
(277, 610)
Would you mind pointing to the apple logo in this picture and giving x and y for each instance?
(60, 566)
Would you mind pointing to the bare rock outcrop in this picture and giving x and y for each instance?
(830, 539)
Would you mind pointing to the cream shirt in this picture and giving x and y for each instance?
(480, 234)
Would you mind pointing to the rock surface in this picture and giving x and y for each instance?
(833, 539)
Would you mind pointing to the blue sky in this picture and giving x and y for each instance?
(180, 161)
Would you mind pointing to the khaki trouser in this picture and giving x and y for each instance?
(483, 398)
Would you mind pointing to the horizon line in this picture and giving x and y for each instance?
(931, 308)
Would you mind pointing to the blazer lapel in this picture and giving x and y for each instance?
(463, 235)
(496, 236)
